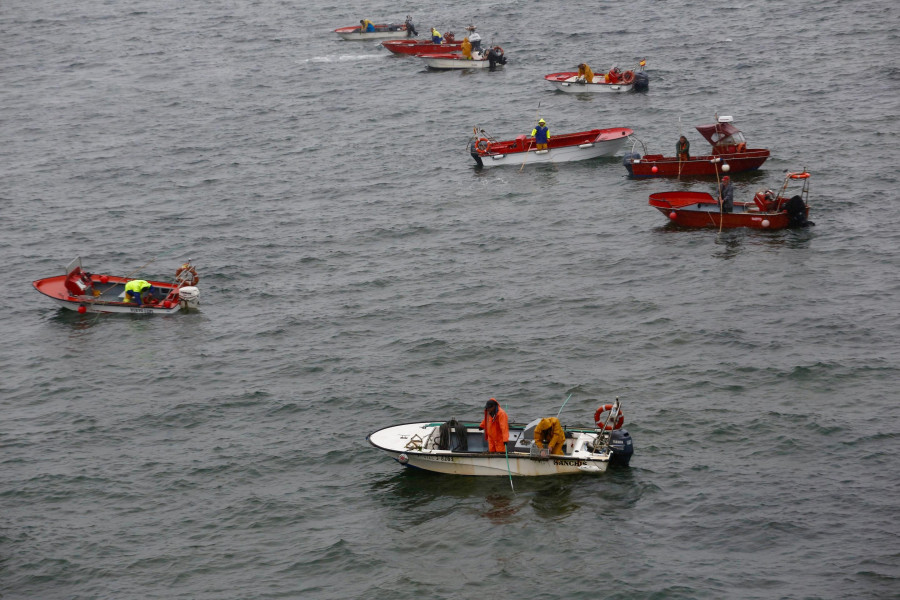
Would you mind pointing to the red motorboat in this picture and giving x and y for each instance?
(767, 210)
(728, 148)
(414, 47)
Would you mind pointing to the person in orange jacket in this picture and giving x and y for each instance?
(496, 426)
(551, 433)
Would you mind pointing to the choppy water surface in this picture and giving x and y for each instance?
(358, 271)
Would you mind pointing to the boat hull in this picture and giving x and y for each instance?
(569, 147)
(568, 83)
(699, 209)
(669, 166)
(106, 296)
(411, 445)
(448, 61)
(382, 31)
(415, 47)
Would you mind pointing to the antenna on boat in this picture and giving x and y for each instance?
(563, 404)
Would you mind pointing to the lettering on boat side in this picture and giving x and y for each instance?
(569, 463)
(438, 458)
(142, 310)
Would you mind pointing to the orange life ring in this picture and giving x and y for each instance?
(741, 147)
(803, 175)
(186, 274)
(628, 77)
(608, 426)
(498, 49)
(483, 145)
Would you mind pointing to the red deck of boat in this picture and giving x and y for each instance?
(669, 166)
(524, 143)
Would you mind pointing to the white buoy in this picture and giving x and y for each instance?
(725, 168)
(765, 223)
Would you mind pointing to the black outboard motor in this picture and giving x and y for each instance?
(622, 447)
(796, 210)
(641, 82)
(496, 57)
(629, 156)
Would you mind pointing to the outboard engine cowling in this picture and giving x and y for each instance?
(641, 82)
(630, 156)
(622, 447)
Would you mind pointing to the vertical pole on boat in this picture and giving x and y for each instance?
(506, 452)
(680, 133)
(719, 194)
(561, 407)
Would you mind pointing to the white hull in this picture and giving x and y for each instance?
(414, 445)
(456, 63)
(556, 155)
(96, 307)
(371, 35)
(572, 86)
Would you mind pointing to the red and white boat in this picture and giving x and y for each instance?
(728, 148)
(566, 147)
(571, 83)
(86, 292)
(416, 47)
(767, 210)
(382, 31)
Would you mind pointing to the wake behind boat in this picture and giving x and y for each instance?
(728, 146)
(86, 292)
(768, 210)
(567, 147)
(458, 448)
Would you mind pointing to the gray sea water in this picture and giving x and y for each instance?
(357, 271)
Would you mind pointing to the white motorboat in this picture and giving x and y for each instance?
(566, 147)
(457, 448)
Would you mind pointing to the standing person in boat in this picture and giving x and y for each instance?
(726, 195)
(474, 38)
(541, 135)
(549, 432)
(495, 426)
(410, 28)
(366, 25)
(435, 36)
(683, 149)
(140, 290)
(585, 74)
(466, 49)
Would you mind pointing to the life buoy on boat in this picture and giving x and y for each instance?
(187, 274)
(741, 147)
(483, 144)
(608, 426)
(628, 77)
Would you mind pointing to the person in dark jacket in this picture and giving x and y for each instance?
(726, 195)
(683, 149)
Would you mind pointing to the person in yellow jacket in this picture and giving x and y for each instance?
(585, 73)
(466, 49)
(138, 289)
(551, 433)
(436, 37)
(541, 135)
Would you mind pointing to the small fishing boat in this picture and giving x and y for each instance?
(86, 292)
(728, 145)
(567, 147)
(492, 58)
(767, 210)
(382, 31)
(459, 448)
(572, 82)
(416, 47)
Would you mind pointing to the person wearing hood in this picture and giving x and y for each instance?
(474, 38)
(541, 135)
(466, 48)
(366, 25)
(550, 433)
(436, 37)
(585, 73)
(138, 290)
(495, 426)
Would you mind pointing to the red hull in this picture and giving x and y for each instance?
(699, 209)
(414, 47)
(668, 166)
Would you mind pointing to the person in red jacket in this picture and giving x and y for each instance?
(496, 426)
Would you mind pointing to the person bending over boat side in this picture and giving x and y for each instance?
(140, 290)
(585, 74)
(366, 25)
(495, 56)
(541, 135)
(495, 426)
(410, 28)
(466, 49)
(435, 36)
(726, 195)
(683, 149)
(549, 432)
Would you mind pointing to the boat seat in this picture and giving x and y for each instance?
(520, 140)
